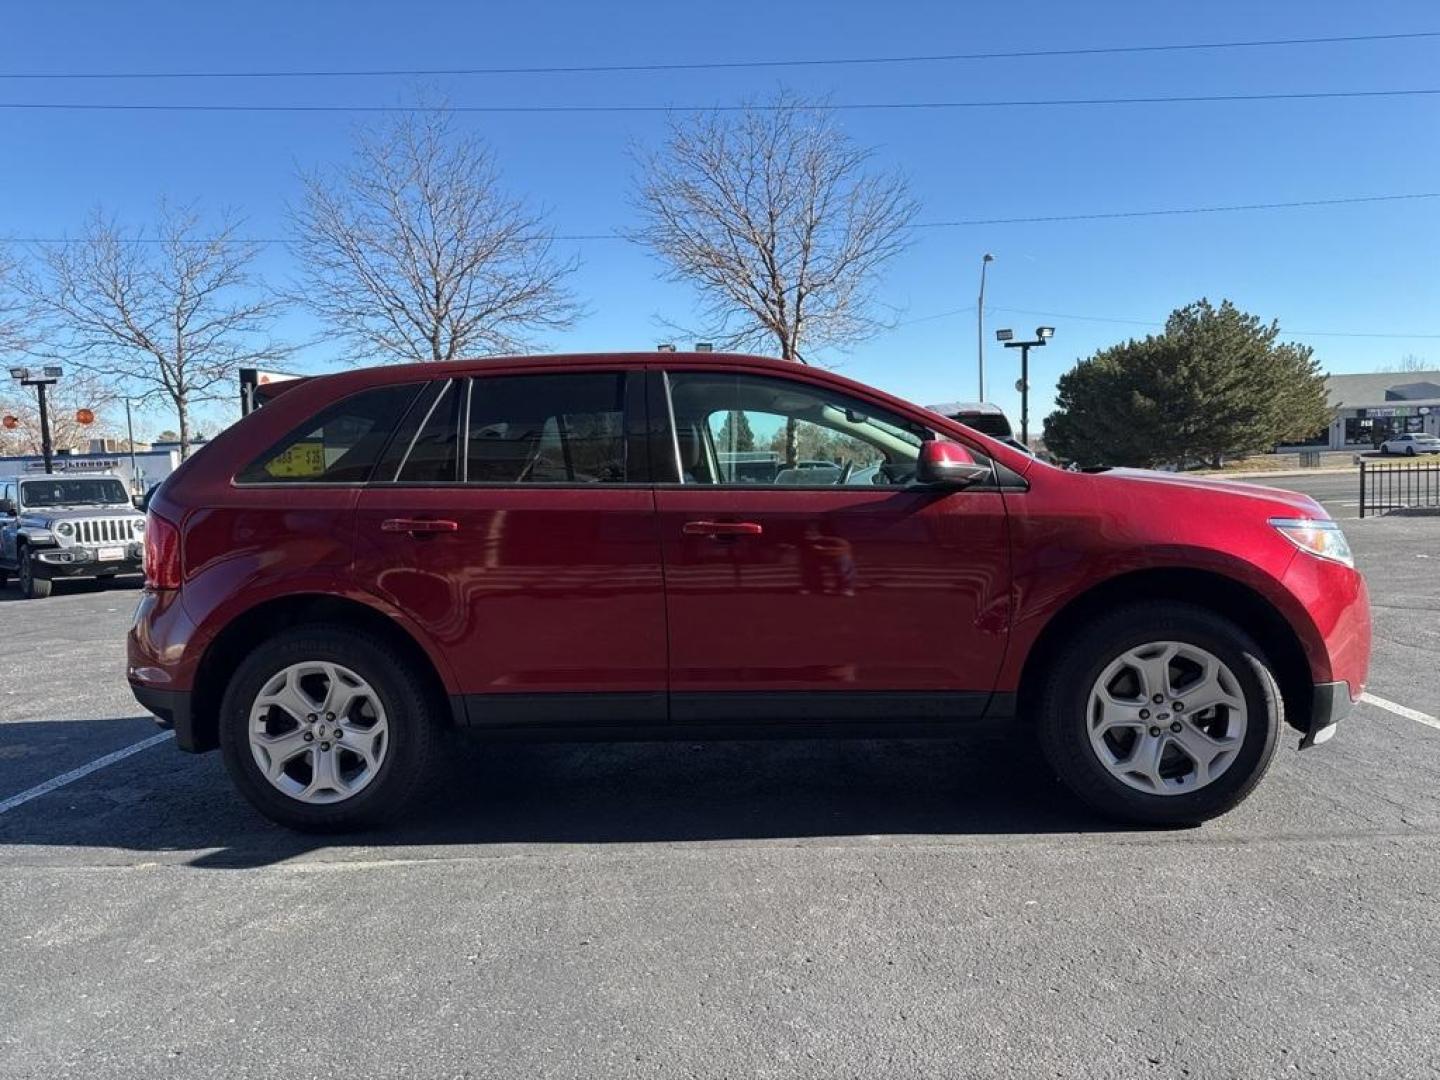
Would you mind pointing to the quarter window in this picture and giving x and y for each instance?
(557, 429)
(339, 446)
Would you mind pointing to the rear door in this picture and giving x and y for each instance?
(807, 578)
(518, 531)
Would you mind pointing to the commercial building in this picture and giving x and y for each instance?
(1371, 408)
(151, 466)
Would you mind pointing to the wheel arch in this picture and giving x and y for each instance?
(1206, 589)
(225, 652)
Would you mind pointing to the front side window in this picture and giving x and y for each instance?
(548, 429)
(339, 446)
(746, 429)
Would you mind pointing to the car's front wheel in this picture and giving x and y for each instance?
(31, 586)
(1160, 714)
(322, 728)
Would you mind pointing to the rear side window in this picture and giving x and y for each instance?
(339, 446)
(555, 429)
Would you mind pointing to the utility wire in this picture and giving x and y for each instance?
(1152, 323)
(1019, 103)
(966, 223)
(725, 65)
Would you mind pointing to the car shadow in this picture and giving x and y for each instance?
(503, 794)
(10, 591)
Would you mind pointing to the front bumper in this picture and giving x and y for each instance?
(63, 562)
(1330, 704)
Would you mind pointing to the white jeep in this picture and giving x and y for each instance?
(54, 526)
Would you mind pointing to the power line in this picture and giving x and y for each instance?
(1152, 323)
(725, 65)
(1183, 210)
(1018, 103)
(965, 223)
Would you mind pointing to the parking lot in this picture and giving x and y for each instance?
(794, 908)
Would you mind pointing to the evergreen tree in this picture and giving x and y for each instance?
(1217, 383)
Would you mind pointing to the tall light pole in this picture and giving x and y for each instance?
(980, 323)
(40, 380)
(1042, 336)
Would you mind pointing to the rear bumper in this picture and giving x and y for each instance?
(1330, 704)
(172, 710)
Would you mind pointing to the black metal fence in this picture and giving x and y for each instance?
(1395, 486)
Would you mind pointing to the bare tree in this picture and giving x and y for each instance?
(414, 252)
(14, 329)
(774, 214)
(166, 317)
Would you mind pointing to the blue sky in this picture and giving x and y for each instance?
(1362, 269)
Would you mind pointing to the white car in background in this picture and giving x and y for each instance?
(1410, 445)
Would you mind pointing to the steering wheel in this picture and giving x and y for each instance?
(845, 471)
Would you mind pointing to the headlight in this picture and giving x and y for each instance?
(64, 528)
(1317, 536)
(138, 525)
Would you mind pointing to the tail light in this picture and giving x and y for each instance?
(162, 553)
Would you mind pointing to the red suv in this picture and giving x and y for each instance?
(671, 546)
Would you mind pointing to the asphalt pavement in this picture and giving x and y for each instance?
(880, 908)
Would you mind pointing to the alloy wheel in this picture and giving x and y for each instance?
(318, 732)
(1166, 718)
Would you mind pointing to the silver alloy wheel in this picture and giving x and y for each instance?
(318, 732)
(1167, 718)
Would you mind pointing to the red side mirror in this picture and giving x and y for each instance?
(949, 464)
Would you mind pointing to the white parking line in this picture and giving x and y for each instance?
(1401, 710)
(83, 771)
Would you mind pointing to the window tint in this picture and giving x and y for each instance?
(407, 430)
(435, 451)
(340, 446)
(536, 429)
(743, 429)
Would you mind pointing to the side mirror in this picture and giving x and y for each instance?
(7, 507)
(948, 464)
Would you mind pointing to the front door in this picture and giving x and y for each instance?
(806, 577)
(519, 533)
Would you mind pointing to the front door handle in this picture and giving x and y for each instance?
(419, 526)
(722, 528)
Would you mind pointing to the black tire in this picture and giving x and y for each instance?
(32, 587)
(1409, 451)
(1063, 700)
(411, 713)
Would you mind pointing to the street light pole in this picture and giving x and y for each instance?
(1043, 334)
(980, 323)
(45, 446)
(41, 379)
(130, 439)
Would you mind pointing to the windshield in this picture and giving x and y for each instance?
(91, 491)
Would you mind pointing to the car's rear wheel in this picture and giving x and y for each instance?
(1160, 714)
(32, 587)
(1409, 451)
(323, 729)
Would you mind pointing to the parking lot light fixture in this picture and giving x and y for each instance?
(40, 380)
(1043, 334)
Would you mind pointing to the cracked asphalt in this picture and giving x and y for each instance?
(885, 908)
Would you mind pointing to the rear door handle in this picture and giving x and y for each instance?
(722, 528)
(419, 526)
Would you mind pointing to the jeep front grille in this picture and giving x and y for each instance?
(103, 531)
